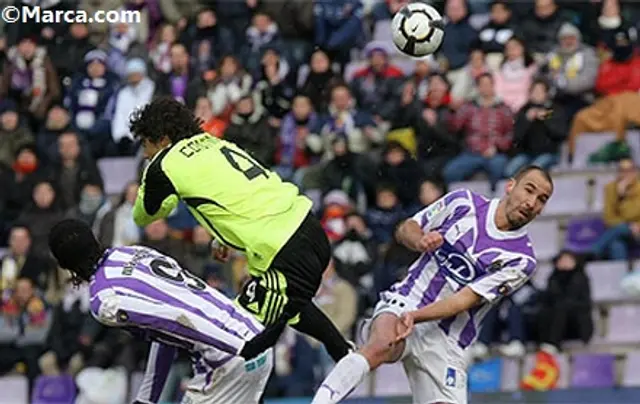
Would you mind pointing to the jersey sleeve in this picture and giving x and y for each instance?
(445, 208)
(504, 281)
(159, 363)
(157, 197)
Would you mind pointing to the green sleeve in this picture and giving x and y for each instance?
(157, 197)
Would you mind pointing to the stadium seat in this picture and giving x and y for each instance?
(382, 31)
(390, 380)
(622, 324)
(510, 374)
(54, 390)
(563, 364)
(486, 376)
(582, 232)
(631, 372)
(569, 196)
(605, 278)
(14, 389)
(117, 172)
(545, 238)
(541, 275)
(593, 370)
(589, 143)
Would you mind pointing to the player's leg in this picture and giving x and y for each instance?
(351, 370)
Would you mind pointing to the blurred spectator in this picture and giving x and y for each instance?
(487, 128)
(343, 173)
(211, 123)
(58, 122)
(464, 82)
(515, 75)
(160, 53)
(383, 217)
(29, 76)
(117, 228)
(13, 133)
(272, 89)
(180, 12)
(236, 17)
(150, 18)
(460, 37)
(540, 28)
(611, 23)
(539, 131)
(93, 206)
(68, 51)
(139, 91)
(42, 214)
(231, 83)
(621, 214)
(250, 130)
(357, 127)
(175, 83)
(88, 99)
(565, 314)
(74, 170)
(122, 44)
(25, 322)
(338, 27)
(320, 81)
(618, 82)
(421, 75)
(262, 35)
(214, 276)
(376, 86)
(385, 10)
(98, 29)
(156, 236)
(294, 154)
(573, 68)
(210, 41)
(355, 253)
(401, 170)
(336, 207)
(21, 261)
(430, 191)
(199, 252)
(495, 34)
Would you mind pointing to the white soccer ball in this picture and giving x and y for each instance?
(417, 29)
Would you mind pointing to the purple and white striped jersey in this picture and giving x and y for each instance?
(147, 292)
(493, 263)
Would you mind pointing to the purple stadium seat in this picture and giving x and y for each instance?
(563, 364)
(582, 232)
(605, 278)
(588, 143)
(382, 31)
(622, 324)
(541, 275)
(510, 374)
(14, 389)
(631, 373)
(54, 390)
(117, 172)
(593, 370)
(545, 238)
(569, 196)
(390, 380)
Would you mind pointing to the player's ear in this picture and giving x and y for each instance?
(510, 185)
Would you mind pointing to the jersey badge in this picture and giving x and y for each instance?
(450, 378)
(434, 209)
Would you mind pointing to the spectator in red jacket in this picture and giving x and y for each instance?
(621, 73)
(486, 125)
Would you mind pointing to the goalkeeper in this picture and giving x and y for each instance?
(245, 207)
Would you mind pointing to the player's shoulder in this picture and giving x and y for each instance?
(461, 195)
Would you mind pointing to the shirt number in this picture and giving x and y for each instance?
(253, 168)
(165, 270)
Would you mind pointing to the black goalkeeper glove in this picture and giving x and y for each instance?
(265, 340)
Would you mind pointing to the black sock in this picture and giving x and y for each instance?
(315, 323)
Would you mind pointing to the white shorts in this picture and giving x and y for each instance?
(235, 382)
(434, 363)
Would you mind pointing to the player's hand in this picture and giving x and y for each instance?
(221, 252)
(404, 327)
(430, 242)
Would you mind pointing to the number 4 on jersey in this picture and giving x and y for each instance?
(243, 163)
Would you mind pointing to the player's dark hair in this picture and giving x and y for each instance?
(526, 170)
(75, 247)
(164, 116)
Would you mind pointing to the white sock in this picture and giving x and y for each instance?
(343, 379)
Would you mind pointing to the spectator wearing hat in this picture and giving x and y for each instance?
(486, 125)
(29, 76)
(376, 87)
(618, 83)
(460, 38)
(572, 68)
(249, 129)
(88, 99)
(539, 28)
(13, 133)
(494, 35)
(338, 27)
(139, 91)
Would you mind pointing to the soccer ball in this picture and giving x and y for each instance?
(417, 29)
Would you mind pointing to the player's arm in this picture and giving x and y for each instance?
(157, 197)
(159, 363)
(465, 299)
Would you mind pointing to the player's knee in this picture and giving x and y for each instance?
(382, 350)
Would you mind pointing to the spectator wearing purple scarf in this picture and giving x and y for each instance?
(175, 83)
(150, 20)
(294, 152)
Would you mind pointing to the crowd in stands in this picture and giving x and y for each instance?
(313, 90)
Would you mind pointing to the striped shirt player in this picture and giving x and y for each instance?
(474, 252)
(142, 288)
(149, 294)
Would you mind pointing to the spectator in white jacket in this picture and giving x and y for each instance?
(232, 82)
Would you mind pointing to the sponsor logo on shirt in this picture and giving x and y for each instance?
(434, 209)
(456, 265)
(450, 378)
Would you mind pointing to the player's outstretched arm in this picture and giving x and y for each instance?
(157, 197)
(155, 375)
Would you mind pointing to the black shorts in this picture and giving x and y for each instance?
(294, 276)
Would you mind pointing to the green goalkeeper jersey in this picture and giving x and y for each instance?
(242, 204)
